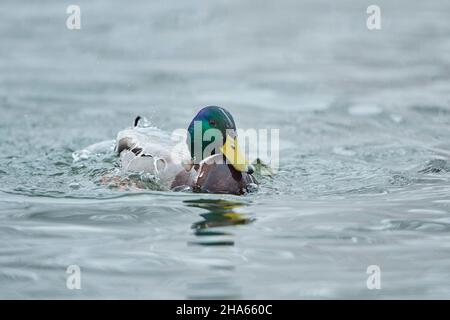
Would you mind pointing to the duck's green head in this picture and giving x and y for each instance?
(213, 131)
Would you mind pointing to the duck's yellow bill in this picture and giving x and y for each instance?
(234, 156)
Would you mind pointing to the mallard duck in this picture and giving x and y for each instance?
(200, 164)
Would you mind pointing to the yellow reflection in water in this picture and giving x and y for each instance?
(220, 213)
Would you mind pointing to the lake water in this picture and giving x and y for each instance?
(364, 119)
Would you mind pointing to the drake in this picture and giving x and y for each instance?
(211, 163)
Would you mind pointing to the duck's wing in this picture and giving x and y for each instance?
(139, 150)
(130, 162)
(131, 140)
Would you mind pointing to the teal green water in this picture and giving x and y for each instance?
(364, 121)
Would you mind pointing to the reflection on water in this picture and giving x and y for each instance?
(220, 213)
(216, 230)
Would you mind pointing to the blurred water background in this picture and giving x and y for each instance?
(364, 119)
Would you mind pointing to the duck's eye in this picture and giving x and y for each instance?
(212, 122)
